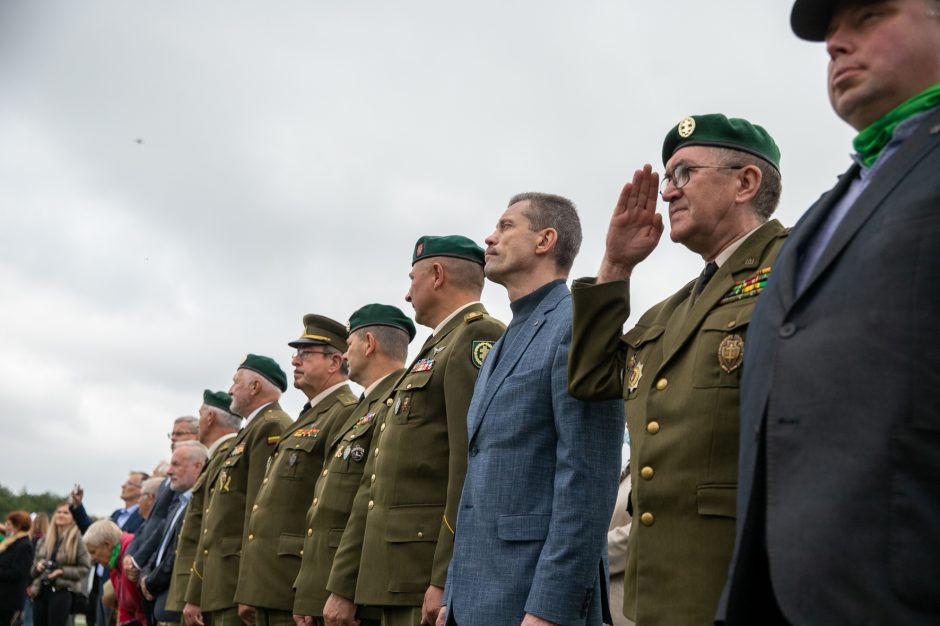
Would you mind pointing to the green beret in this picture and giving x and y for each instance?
(456, 246)
(321, 330)
(217, 399)
(267, 367)
(718, 131)
(810, 19)
(381, 315)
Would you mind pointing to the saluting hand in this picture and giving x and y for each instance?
(635, 227)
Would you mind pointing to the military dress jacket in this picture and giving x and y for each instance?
(212, 587)
(679, 371)
(347, 451)
(275, 525)
(401, 528)
(192, 526)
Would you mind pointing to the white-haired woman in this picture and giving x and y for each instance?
(106, 543)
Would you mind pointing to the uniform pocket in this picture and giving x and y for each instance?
(411, 538)
(720, 500)
(290, 545)
(230, 546)
(719, 348)
(409, 398)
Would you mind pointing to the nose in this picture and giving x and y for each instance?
(838, 42)
(491, 239)
(408, 296)
(670, 192)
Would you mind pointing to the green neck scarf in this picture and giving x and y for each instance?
(872, 141)
(112, 562)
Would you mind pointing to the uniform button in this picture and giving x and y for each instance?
(788, 330)
(254, 508)
(371, 505)
(647, 472)
(325, 472)
(662, 383)
(389, 402)
(652, 428)
(211, 489)
(647, 519)
(207, 509)
(205, 552)
(408, 386)
(205, 531)
(301, 552)
(731, 324)
(309, 531)
(382, 427)
(373, 478)
(251, 537)
(265, 481)
(376, 453)
(420, 535)
(315, 500)
(275, 453)
(474, 451)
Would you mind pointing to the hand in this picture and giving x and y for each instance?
(532, 620)
(432, 605)
(303, 620)
(192, 615)
(441, 616)
(144, 590)
(130, 570)
(75, 498)
(41, 566)
(55, 574)
(339, 611)
(247, 613)
(635, 227)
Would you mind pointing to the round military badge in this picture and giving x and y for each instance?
(634, 374)
(686, 127)
(731, 353)
(357, 453)
(478, 352)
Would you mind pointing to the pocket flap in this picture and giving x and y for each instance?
(523, 527)
(230, 546)
(728, 318)
(717, 500)
(334, 537)
(290, 544)
(414, 523)
(638, 335)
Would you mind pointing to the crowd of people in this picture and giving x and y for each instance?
(484, 484)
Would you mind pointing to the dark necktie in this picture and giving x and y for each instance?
(706, 276)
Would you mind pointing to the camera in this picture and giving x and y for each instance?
(49, 566)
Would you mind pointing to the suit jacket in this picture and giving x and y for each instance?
(159, 575)
(83, 521)
(678, 370)
(147, 538)
(400, 528)
(188, 540)
(541, 483)
(275, 523)
(839, 411)
(223, 520)
(347, 451)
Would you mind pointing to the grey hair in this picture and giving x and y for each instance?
(151, 485)
(466, 275)
(547, 210)
(225, 419)
(198, 453)
(189, 420)
(101, 532)
(393, 342)
(771, 185)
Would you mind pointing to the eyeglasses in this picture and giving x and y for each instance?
(180, 433)
(302, 354)
(679, 176)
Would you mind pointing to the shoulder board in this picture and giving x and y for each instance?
(472, 316)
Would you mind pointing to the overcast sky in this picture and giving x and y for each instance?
(290, 155)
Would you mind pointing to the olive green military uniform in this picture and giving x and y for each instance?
(401, 526)
(349, 447)
(273, 549)
(679, 371)
(192, 526)
(212, 586)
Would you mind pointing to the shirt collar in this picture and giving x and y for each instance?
(315, 400)
(218, 442)
(453, 314)
(731, 248)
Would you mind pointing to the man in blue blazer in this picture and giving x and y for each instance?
(543, 467)
(839, 472)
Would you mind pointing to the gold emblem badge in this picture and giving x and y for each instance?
(686, 127)
(634, 374)
(731, 353)
(478, 352)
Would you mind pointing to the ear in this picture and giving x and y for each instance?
(437, 275)
(545, 241)
(370, 342)
(749, 180)
(336, 362)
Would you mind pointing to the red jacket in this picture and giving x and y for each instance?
(128, 597)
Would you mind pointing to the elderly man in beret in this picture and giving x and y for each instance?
(679, 368)
(399, 542)
(839, 403)
(276, 521)
(256, 388)
(217, 427)
(379, 335)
